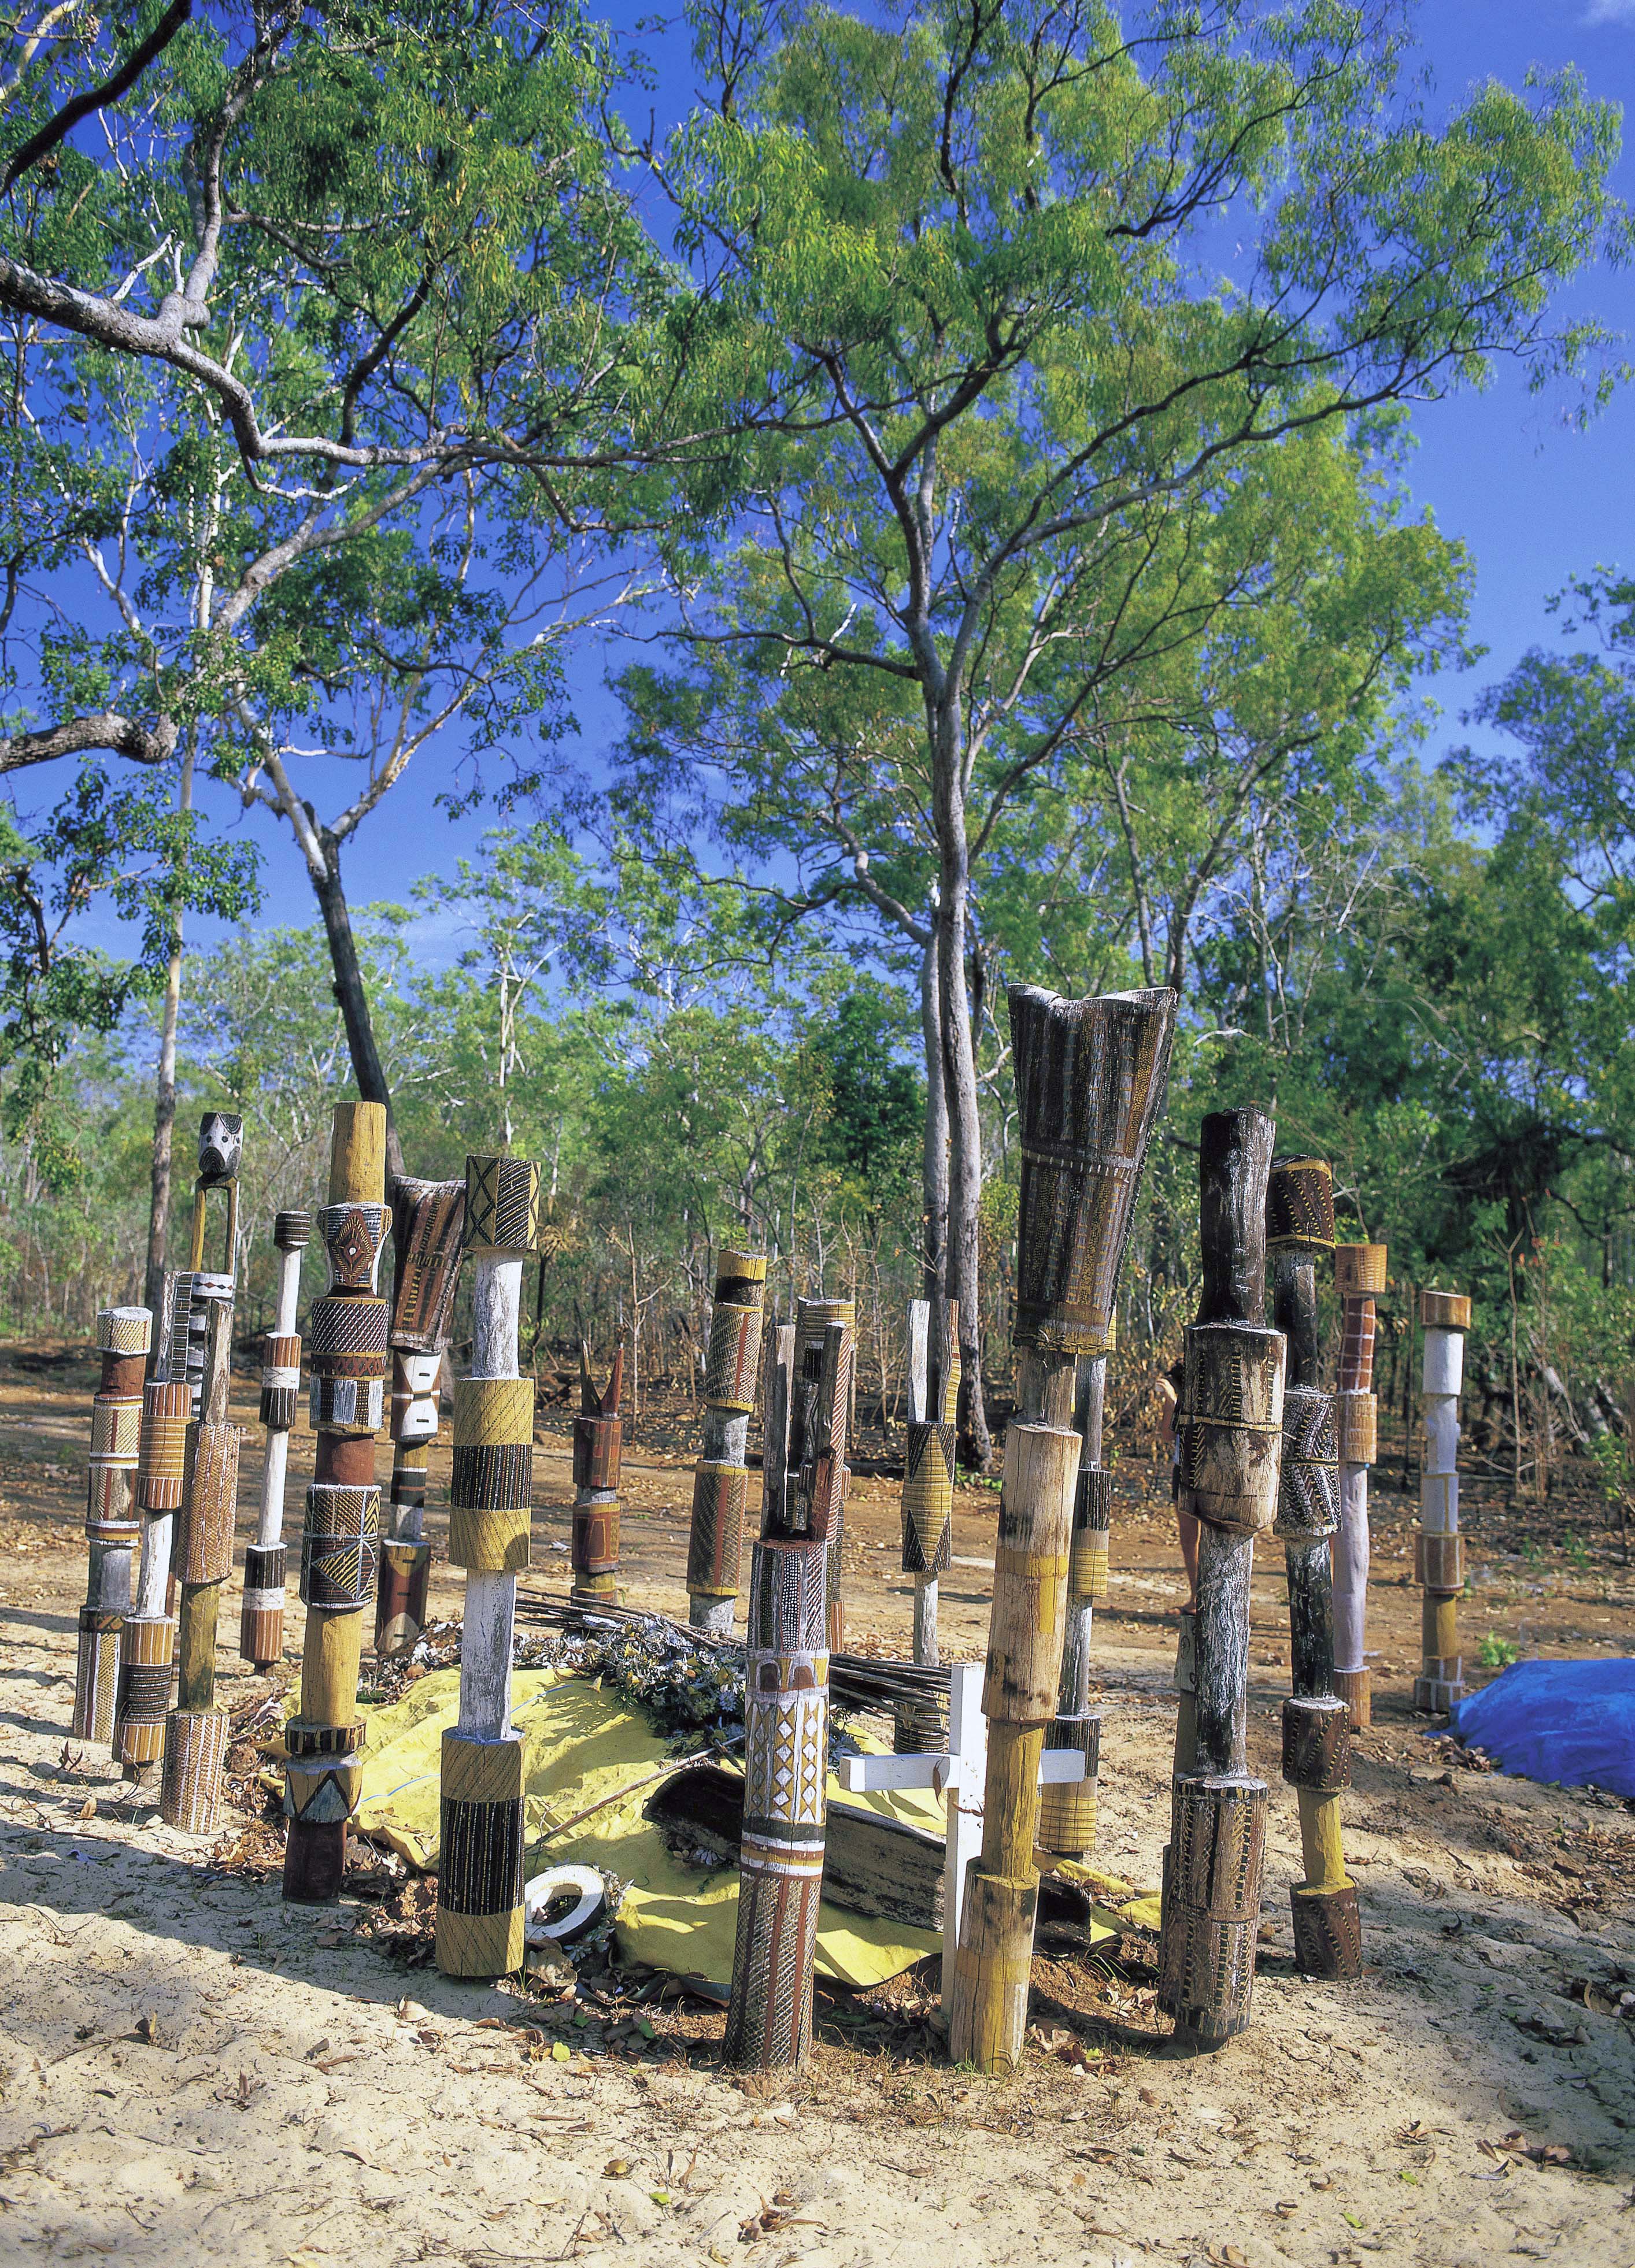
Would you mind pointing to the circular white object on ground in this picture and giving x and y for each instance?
(556, 1883)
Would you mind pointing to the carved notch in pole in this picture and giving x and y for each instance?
(1231, 1424)
(1091, 1077)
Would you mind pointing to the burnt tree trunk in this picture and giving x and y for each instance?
(348, 986)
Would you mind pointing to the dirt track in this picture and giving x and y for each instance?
(192, 2071)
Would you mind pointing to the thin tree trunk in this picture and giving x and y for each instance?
(165, 1092)
(935, 1168)
(1515, 1373)
(962, 1268)
(349, 991)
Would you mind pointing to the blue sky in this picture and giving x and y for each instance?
(1536, 500)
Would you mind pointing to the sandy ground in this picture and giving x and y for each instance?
(191, 2070)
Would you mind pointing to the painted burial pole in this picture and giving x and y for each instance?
(479, 1885)
(1359, 1279)
(147, 1643)
(196, 1731)
(812, 1319)
(170, 1399)
(1090, 1079)
(1067, 1808)
(1316, 1734)
(261, 1616)
(1230, 1419)
(715, 1544)
(928, 1492)
(768, 2024)
(113, 1529)
(597, 1446)
(1444, 1318)
(427, 1220)
(340, 1541)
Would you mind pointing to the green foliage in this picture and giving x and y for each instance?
(1496, 1652)
(876, 1102)
(131, 847)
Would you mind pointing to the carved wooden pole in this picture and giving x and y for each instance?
(113, 1529)
(172, 1397)
(715, 1547)
(1317, 1736)
(148, 1641)
(768, 2024)
(427, 1218)
(1359, 1278)
(196, 1731)
(479, 1908)
(341, 1541)
(812, 1319)
(598, 1448)
(1090, 1081)
(261, 1616)
(928, 1491)
(1231, 1420)
(1067, 1808)
(1445, 1317)
(221, 1149)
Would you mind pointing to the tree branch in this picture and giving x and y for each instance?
(122, 736)
(59, 128)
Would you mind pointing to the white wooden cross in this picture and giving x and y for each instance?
(960, 1774)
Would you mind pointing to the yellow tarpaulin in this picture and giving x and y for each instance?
(583, 1744)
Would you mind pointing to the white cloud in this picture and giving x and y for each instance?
(1609, 12)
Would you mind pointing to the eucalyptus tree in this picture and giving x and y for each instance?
(323, 337)
(1018, 304)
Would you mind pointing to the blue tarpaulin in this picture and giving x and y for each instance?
(1569, 1723)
